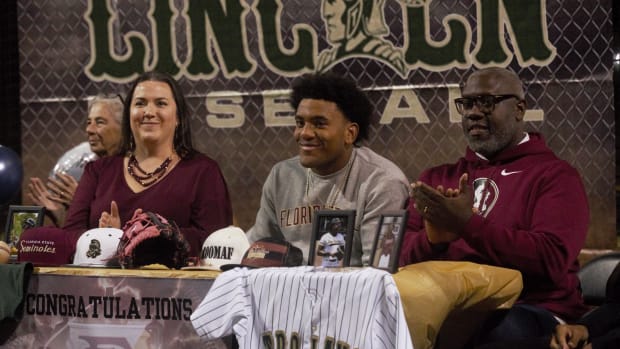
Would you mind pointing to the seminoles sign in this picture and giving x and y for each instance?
(217, 38)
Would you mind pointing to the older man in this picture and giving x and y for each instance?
(509, 202)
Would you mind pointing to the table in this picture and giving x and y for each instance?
(70, 307)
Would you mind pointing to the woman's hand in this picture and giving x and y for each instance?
(62, 188)
(38, 193)
(110, 219)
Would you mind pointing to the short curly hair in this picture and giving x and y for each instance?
(349, 98)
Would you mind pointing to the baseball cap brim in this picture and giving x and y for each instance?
(254, 264)
(226, 267)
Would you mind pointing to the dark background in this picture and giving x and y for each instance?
(616, 20)
(10, 130)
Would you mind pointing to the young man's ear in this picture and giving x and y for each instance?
(521, 108)
(351, 133)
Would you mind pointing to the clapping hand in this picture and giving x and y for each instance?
(62, 188)
(445, 211)
(39, 194)
(54, 202)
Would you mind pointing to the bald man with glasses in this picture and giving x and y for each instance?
(509, 202)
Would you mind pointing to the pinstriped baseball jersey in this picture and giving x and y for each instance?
(304, 307)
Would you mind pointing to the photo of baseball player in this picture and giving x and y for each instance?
(330, 247)
(386, 245)
(388, 241)
(21, 219)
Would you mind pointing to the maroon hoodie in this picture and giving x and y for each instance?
(533, 217)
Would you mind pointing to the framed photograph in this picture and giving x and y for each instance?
(21, 218)
(388, 240)
(332, 238)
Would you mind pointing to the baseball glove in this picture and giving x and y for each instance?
(149, 238)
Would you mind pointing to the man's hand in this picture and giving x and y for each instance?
(436, 235)
(569, 337)
(447, 210)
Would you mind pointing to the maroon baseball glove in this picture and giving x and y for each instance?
(149, 238)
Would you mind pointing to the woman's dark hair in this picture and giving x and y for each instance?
(182, 135)
(350, 99)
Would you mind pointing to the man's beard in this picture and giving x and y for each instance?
(491, 146)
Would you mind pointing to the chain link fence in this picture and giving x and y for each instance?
(575, 91)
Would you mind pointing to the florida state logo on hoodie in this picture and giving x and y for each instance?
(486, 193)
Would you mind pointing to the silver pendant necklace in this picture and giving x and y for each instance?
(330, 203)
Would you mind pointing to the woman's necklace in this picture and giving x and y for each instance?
(143, 177)
(330, 203)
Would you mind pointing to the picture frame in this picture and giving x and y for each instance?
(331, 229)
(21, 218)
(388, 240)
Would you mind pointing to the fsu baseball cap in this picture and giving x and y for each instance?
(47, 246)
(269, 252)
(97, 247)
(224, 246)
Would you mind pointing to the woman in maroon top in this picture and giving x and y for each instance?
(157, 170)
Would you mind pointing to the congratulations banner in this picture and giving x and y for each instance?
(90, 308)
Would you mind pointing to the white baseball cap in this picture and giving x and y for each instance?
(223, 246)
(96, 246)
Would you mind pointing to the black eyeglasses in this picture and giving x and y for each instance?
(484, 103)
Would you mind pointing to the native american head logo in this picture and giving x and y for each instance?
(356, 28)
(94, 249)
(486, 193)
